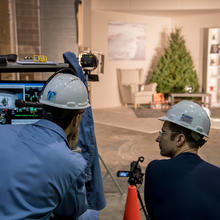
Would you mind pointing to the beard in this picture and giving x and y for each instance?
(73, 132)
(73, 138)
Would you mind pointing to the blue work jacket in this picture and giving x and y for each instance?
(87, 141)
(39, 173)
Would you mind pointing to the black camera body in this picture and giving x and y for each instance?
(135, 175)
(89, 61)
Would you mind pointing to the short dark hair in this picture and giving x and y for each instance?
(62, 117)
(188, 135)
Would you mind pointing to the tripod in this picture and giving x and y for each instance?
(108, 172)
(87, 73)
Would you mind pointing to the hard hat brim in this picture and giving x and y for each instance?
(164, 118)
(65, 106)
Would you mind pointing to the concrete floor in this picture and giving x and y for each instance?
(122, 138)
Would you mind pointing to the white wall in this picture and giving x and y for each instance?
(105, 93)
(193, 31)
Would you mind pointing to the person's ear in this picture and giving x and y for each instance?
(180, 140)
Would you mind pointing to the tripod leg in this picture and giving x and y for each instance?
(142, 205)
(113, 179)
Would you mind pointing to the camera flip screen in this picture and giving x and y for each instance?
(123, 173)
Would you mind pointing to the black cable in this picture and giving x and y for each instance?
(142, 204)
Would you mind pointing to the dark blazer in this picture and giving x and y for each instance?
(182, 188)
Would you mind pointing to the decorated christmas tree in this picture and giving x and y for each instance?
(175, 71)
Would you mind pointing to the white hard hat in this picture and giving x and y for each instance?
(65, 91)
(189, 115)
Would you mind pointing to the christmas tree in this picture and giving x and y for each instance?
(175, 70)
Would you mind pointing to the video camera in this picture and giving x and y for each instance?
(135, 175)
(90, 61)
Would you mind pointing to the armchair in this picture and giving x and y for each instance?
(132, 89)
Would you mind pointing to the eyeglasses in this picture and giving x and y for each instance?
(161, 132)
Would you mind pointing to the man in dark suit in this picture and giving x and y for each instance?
(184, 187)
